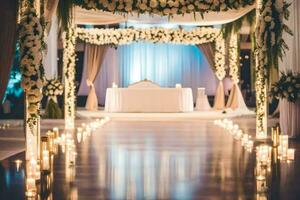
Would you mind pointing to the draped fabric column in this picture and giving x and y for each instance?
(8, 22)
(208, 51)
(50, 60)
(94, 56)
(220, 62)
(290, 112)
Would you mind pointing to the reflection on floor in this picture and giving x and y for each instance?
(156, 160)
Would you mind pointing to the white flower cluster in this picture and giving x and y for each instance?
(155, 35)
(53, 88)
(233, 58)
(220, 58)
(31, 37)
(164, 7)
(69, 57)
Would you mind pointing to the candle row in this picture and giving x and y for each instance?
(236, 132)
(85, 130)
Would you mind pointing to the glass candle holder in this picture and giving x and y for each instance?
(31, 189)
(56, 132)
(291, 154)
(45, 154)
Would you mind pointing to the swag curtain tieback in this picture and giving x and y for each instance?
(94, 58)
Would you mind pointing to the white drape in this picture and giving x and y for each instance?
(108, 74)
(289, 112)
(50, 60)
(164, 64)
(83, 16)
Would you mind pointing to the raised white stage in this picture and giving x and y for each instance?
(213, 114)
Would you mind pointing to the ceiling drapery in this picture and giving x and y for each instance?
(96, 17)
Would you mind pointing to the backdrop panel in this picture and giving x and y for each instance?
(165, 64)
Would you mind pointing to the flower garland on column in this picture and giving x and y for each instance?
(31, 46)
(220, 58)
(69, 57)
(270, 47)
(234, 57)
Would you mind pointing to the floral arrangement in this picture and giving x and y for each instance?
(69, 56)
(287, 87)
(31, 40)
(155, 35)
(160, 35)
(163, 7)
(269, 47)
(53, 88)
(233, 57)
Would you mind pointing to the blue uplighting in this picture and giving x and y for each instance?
(14, 83)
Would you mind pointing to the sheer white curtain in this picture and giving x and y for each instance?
(109, 73)
(290, 112)
(165, 64)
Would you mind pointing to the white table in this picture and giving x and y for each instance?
(149, 100)
(202, 103)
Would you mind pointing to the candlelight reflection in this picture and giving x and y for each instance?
(114, 163)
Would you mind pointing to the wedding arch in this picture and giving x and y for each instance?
(268, 34)
(194, 36)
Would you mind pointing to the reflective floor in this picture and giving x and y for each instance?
(157, 160)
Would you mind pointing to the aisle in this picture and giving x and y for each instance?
(156, 160)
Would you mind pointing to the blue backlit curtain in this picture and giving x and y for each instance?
(165, 64)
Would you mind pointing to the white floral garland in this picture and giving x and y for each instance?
(220, 61)
(163, 7)
(160, 35)
(31, 37)
(233, 58)
(270, 45)
(155, 35)
(69, 57)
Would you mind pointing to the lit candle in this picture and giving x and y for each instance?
(178, 85)
(291, 154)
(114, 85)
(79, 136)
(46, 160)
(284, 140)
(30, 187)
(56, 132)
(51, 138)
(18, 164)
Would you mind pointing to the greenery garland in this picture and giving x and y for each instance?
(269, 47)
(31, 46)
